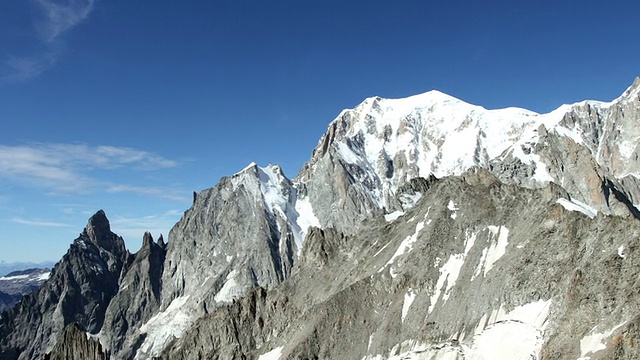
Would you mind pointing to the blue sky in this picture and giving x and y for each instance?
(130, 106)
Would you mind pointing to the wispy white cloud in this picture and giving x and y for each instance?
(150, 191)
(26, 67)
(133, 228)
(38, 222)
(62, 16)
(58, 17)
(117, 156)
(62, 168)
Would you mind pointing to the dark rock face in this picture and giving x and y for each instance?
(137, 300)
(73, 344)
(8, 300)
(79, 290)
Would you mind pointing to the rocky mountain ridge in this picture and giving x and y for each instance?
(16, 284)
(8, 267)
(459, 276)
(421, 228)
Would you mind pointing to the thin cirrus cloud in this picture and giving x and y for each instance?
(57, 19)
(38, 222)
(61, 168)
(62, 16)
(149, 191)
(133, 227)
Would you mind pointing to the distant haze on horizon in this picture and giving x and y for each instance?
(131, 106)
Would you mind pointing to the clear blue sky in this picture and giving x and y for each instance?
(130, 106)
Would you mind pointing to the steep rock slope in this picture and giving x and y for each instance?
(73, 344)
(476, 270)
(78, 290)
(137, 301)
(238, 235)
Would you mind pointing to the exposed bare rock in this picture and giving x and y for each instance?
(74, 344)
(137, 300)
(78, 290)
(446, 286)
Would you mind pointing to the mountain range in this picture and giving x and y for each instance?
(9, 267)
(420, 228)
(16, 284)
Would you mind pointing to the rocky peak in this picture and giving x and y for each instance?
(78, 290)
(137, 300)
(98, 227)
(147, 239)
(98, 232)
(240, 234)
(632, 94)
(161, 242)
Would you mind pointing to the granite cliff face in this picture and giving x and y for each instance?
(74, 344)
(420, 228)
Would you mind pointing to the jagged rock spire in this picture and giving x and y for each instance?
(147, 239)
(97, 227)
(98, 232)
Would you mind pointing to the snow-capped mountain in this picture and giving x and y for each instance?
(380, 145)
(420, 228)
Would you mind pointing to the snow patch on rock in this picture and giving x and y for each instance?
(163, 327)
(514, 335)
(453, 208)
(405, 246)
(591, 344)
(575, 205)
(408, 300)
(272, 355)
(230, 291)
(499, 238)
(449, 273)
